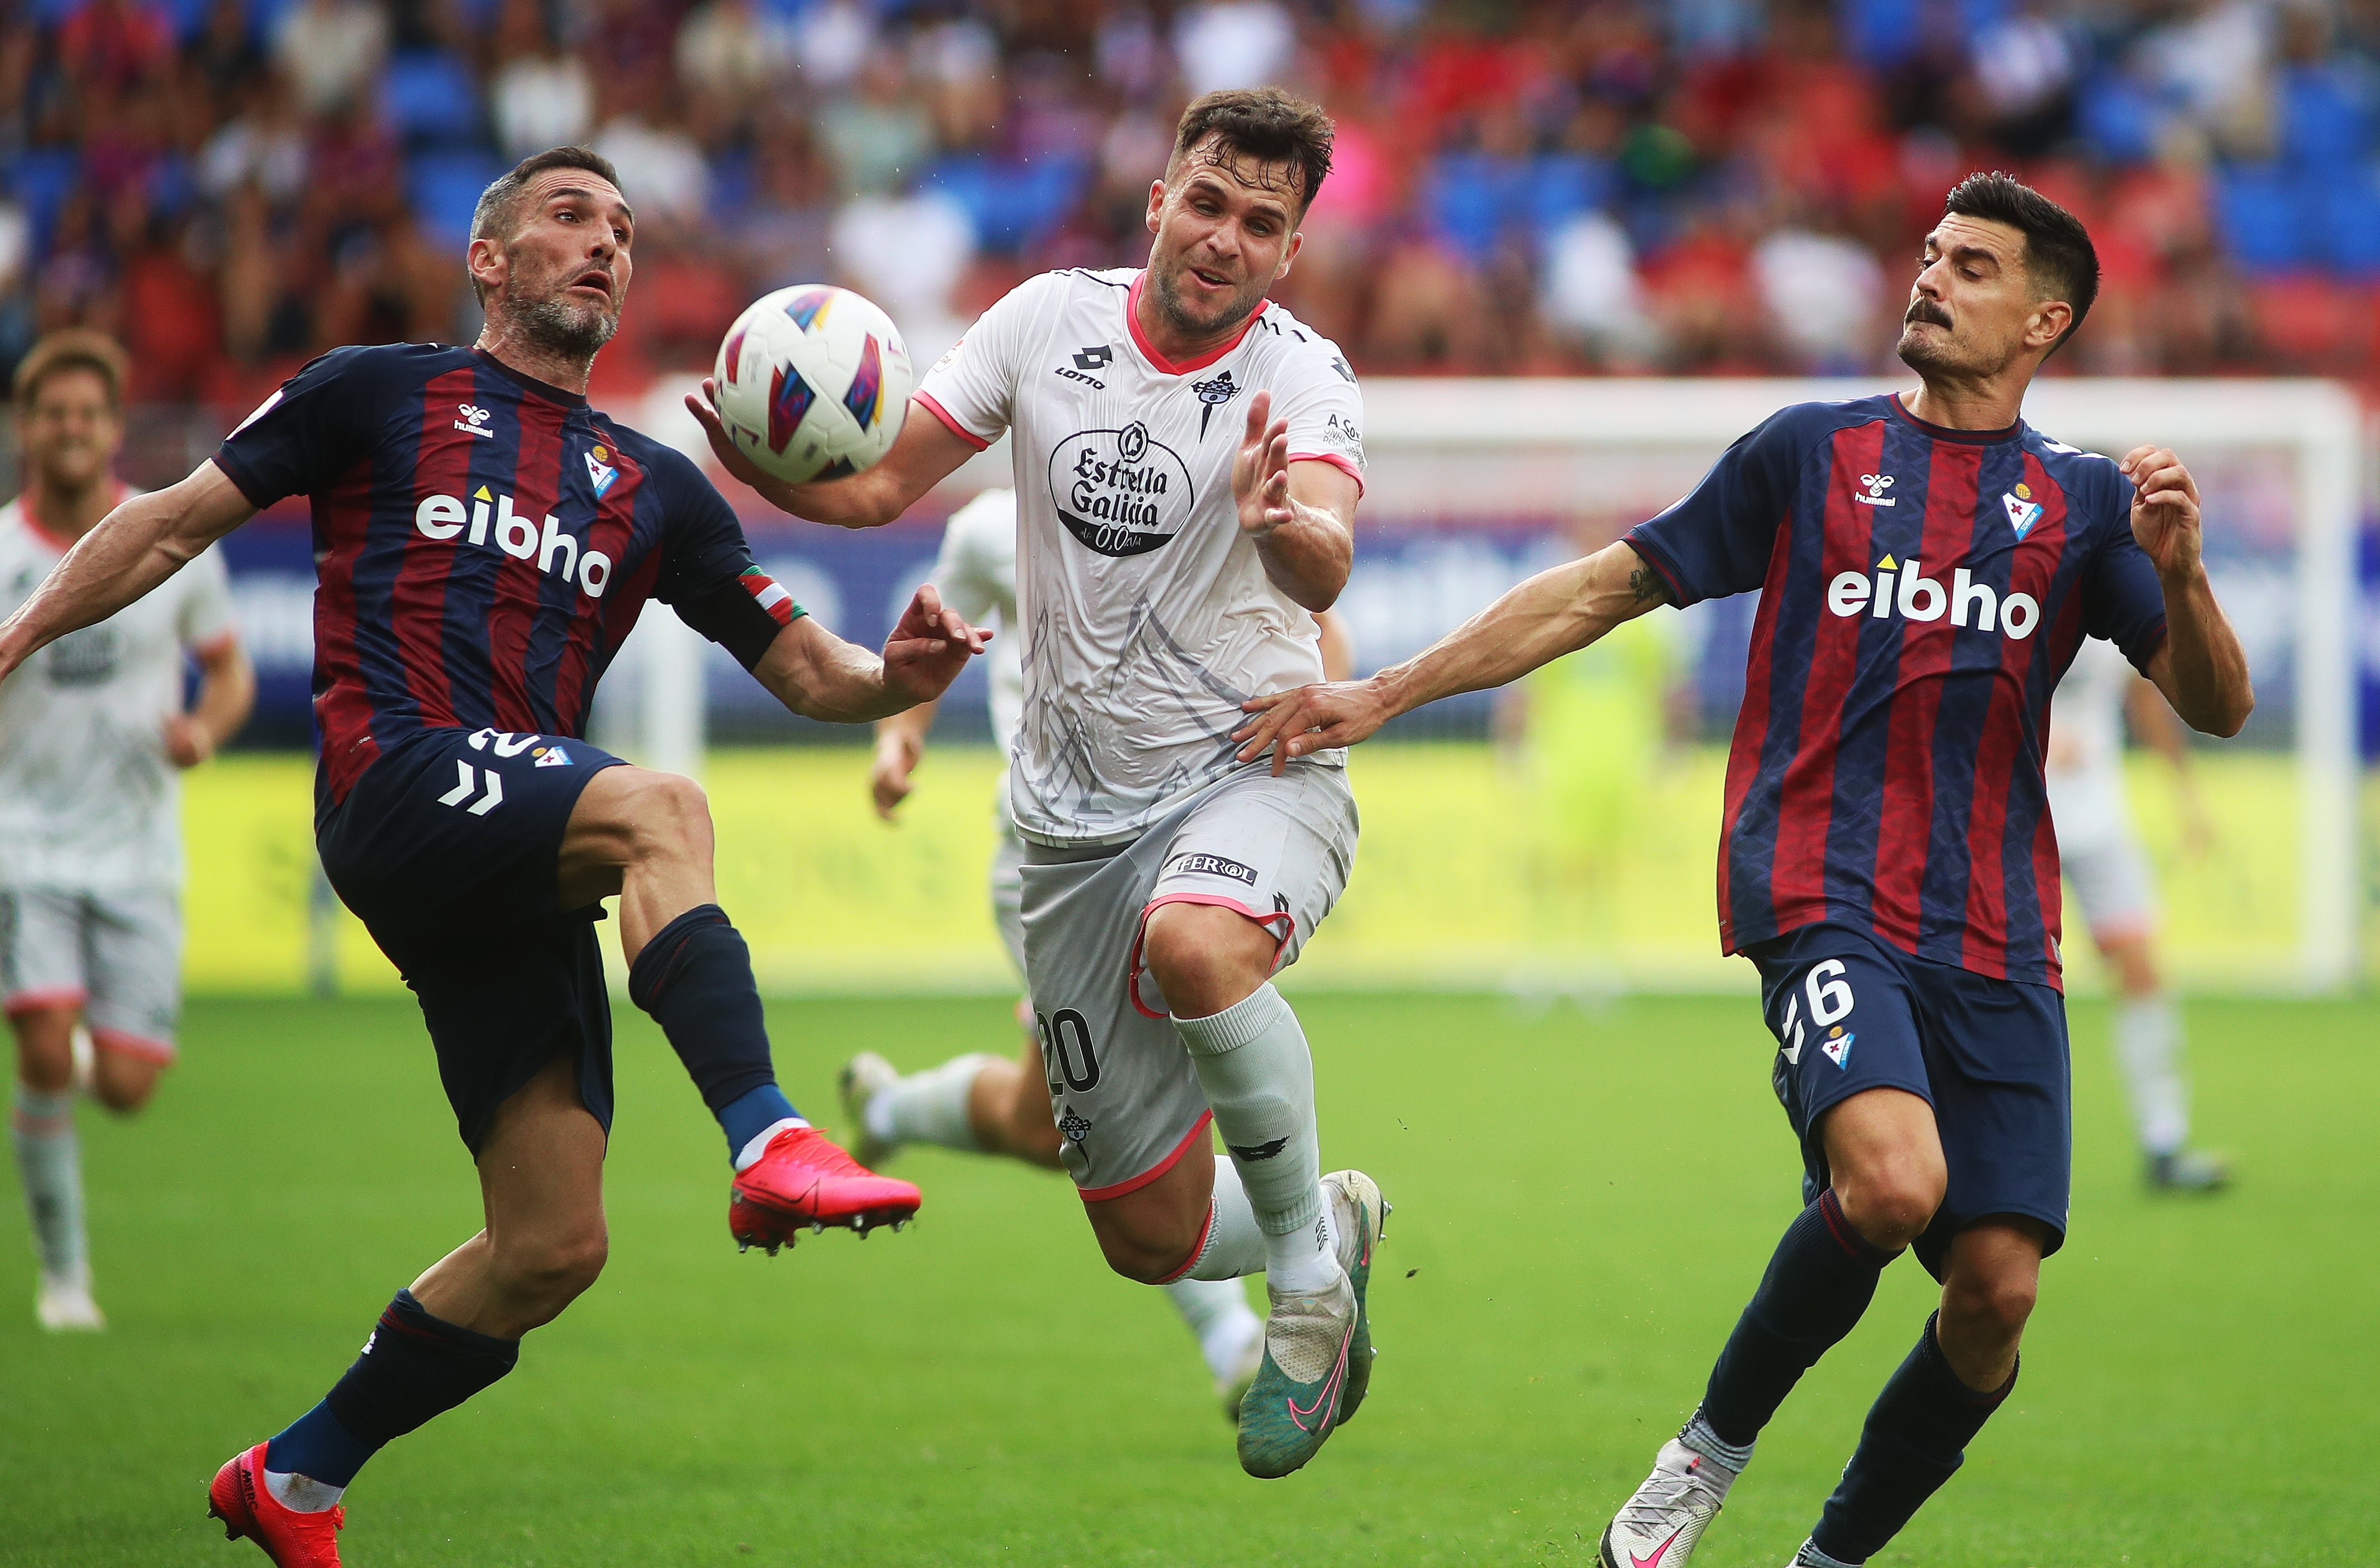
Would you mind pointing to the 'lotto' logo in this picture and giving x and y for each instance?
(1902, 587)
(492, 520)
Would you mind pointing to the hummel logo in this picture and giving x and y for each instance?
(1876, 484)
(1259, 1151)
(478, 418)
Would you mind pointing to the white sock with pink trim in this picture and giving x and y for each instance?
(1233, 1246)
(49, 1158)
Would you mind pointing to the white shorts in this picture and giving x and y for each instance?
(1008, 892)
(2112, 882)
(1120, 1084)
(116, 956)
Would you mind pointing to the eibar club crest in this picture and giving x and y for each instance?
(2023, 511)
(1837, 1048)
(600, 470)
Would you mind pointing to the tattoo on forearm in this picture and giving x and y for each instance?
(1644, 586)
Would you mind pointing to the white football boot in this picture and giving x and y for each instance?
(1233, 1386)
(64, 1304)
(1659, 1527)
(862, 1080)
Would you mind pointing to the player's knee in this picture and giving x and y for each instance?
(673, 813)
(1205, 958)
(1136, 1260)
(1891, 1202)
(1993, 1305)
(552, 1271)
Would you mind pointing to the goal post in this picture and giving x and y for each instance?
(2281, 464)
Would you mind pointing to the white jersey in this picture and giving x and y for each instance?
(975, 574)
(2086, 765)
(1145, 615)
(88, 798)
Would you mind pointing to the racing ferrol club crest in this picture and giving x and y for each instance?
(1213, 395)
(2023, 511)
(1121, 492)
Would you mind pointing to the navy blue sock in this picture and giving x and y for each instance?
(1820, 1280)
(695, 977)
(1915, 1439)
(413, 1366)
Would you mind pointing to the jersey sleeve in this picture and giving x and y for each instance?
(2121, 598)
(708, 574)
(973, 388)
(1325, 410)
(1716, 541)
(313, 429)
(967, 572)
(204, 621)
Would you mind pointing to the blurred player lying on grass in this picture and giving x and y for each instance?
(1928, 565)
(91, 733)
(485, 542)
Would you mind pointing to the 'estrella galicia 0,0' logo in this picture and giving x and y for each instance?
(1121, 492)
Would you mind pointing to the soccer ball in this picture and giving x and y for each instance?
(813, 382)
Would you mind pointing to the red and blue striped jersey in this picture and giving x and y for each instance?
(1921, 591)
(483, 544)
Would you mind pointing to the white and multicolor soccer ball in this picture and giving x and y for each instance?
(813, 382)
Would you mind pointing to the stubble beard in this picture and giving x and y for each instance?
(1176, 310)
(562, 329)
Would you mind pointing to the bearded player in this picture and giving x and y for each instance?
(91, 736)
(1187, 462)
(1928, 565)
(485, 541)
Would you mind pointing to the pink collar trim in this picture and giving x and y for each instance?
(57, 541)
(1167, 367)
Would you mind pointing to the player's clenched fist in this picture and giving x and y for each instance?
(889, 780)
(2165, 509)
(1261, 473)
(1310, 719)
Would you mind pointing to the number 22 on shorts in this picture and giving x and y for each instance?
(1830, 1003)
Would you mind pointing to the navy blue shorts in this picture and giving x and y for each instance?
(448, 849)
(1850, 1013)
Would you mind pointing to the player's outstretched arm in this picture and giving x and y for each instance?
(2201, 668)
(130, 550)
(925, 453)
(1557, 612)
(819, 675)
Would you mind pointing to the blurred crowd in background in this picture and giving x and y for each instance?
(1569, 186)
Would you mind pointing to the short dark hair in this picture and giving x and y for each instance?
(498, 213)
(2058, 257)
(1265, 124)
(72, 348)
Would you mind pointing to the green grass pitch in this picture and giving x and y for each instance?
(1583, 1204)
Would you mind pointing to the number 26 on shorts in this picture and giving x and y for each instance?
(1830, 1003)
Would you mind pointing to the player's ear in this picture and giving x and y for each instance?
(1156, 204)
(2049, 321)
(485, 261)
(1289, 253)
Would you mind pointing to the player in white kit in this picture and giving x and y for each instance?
(2101, 856)
(93, 731)
(1188, 458)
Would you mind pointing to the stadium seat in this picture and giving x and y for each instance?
(2347, 222)
(40, 180)
(430, 100)
(2311, 323)
(1013, 205)
(1474, 199)
(2117, 115)
(2263, 217)
(444, 186)
(2326, 115)
(1883, 32)
(1563, 185)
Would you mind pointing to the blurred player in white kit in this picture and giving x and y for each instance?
(985, 1103)
(2101, 855)
(92, 732)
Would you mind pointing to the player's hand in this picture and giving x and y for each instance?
(1311, 718)
(706, 411)
(189, 741)
(888, 779)
(2165, 510)
(929, 646)
(1260, 472)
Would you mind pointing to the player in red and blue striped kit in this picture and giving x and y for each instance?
(485, 541)
(1927, 566)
